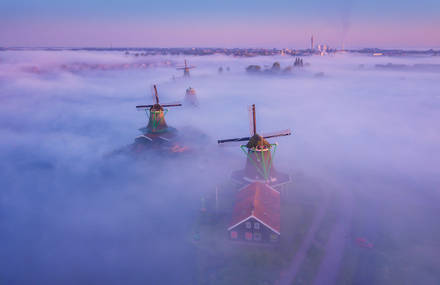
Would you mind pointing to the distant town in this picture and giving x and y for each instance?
(321, 49)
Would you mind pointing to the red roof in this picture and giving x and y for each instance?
(260, 201)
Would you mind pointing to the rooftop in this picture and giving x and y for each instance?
(260, 201)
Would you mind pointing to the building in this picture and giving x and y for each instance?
(256, 214)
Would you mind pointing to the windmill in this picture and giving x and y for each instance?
(259, 154)
(156, 127)
(185, 69)
(191, 97)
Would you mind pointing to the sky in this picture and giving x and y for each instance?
(173, 23)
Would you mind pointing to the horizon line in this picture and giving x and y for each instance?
(218, 47)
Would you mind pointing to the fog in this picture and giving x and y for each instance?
(71, 213)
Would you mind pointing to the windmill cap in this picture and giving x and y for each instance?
(156, 107)
(257, 141)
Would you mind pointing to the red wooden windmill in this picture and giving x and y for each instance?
(259, 154)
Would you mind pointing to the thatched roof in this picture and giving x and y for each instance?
(257, 141)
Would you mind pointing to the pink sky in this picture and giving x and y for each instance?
(232, 34)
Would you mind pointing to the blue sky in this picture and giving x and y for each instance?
(253, 23)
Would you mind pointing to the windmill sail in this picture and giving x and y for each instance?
(252, 120)
(283, 133)
(144, 106)
(171, 105)
(155, 94)
(234, 140)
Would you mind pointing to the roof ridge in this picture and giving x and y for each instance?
(257, 194)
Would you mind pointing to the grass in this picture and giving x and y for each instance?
(310, 267)
(405, 245)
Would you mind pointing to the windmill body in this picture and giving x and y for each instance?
(191, 97)
(259, 159)
(186, 72)
(259, 162)
(156, 120)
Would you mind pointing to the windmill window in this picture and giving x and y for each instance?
(234, 235)
(257, 236)
(273, 237)
(248, 225)
(248, 235)
(256, 225)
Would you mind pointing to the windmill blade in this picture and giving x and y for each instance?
(171, 105)
(251, 126)
(152, 93)
(252, 120)
(233, 144)
(277, 134)
(156, 97)
(185, 67)
(143, 106)
(234, 140)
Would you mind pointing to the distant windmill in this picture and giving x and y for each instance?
(259, 154)
(185, 69)
(191, 97)
(156, 114)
